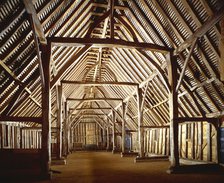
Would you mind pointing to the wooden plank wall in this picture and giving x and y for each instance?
(86, 134)
(157, 141)
(14, 137)
(197, 141)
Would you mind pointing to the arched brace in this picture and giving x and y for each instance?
(96, 23)
(157, 68)
(128, 27)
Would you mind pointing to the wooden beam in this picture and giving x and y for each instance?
(35, 128)
(109, 43)
(92, 108)
(155, 127)
(16, 79)
(221, 49)
(20, 119)
(37, 49)
(129, 28)
(92, 83)
(201, 31)
(38, 27)
(112, 19)
(158, 68)
(144, 96)
(96, 23)
(215, 114)
(195, 119)
(92, 114)
(14, 101)
(94, 99)
(185, 64)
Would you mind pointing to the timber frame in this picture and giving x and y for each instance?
(122, 68)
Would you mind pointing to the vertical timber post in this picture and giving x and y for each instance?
(173, 106)
(59, 122)
(140, 123)
(46, 112)
(108, 138)
(66, 133)
(114, 131)
(123, 128)
(1, 137)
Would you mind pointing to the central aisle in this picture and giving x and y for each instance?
(105, 167)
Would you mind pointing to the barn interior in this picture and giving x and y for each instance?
(139, 79)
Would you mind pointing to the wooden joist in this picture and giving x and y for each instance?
(92, 108)
(20, 119)
(155, 127)
(92, 83)
(94, 99)
(95, 42)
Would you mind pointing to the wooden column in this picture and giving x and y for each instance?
(21, 138)
(173, 107)
(186, 140)
(1, 137)
(193, 140)
(220, 123)
(108, 138)
(59, 122)
(104, 139)
(114, 131)
(140, 123)
(131, 145)
(123, 129)
(46, 112)
(66, 130)
(209, 142)
(72, 139)
(200, 140)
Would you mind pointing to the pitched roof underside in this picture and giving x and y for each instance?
(165, 23)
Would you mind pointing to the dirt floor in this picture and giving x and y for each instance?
(105, 167)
